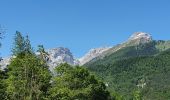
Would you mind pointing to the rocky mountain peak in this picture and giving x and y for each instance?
(140, 37)
(59, 51)
(60, 55)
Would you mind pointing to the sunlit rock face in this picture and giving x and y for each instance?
(60, 55)
(140, 37)
(4, 62)
(93, 53)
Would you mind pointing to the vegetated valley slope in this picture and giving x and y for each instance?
(140, 65)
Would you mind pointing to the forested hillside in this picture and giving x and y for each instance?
(141, 70)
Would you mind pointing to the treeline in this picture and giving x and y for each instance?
(27, 77)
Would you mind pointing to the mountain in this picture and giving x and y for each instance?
(136, 39)
(140, 37)
(147, 74)
(140, 66)
(56, 56)
(139, 43)
(60, 55)
(93, 53)
(4, 62)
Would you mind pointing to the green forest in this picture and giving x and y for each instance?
(141, 70)
(27, 77)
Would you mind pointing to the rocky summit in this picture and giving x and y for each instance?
(60, 55)
(140, 37)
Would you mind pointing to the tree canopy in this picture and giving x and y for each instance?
(28, 77)
(76, 83)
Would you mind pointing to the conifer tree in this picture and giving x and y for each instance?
(42, 53)
(29, 76)
(2, 84)
(19, 44)
(2, 72)
(28, 47)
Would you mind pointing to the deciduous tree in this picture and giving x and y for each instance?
(76, 83)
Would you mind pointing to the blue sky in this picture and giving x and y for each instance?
(82, 24)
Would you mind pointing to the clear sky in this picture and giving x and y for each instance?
(82, 24)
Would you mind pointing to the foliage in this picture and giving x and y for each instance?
(131, 73)
(29, 76)
(3, 76)
(76, 84)
(2, 72)
(127, 52)
(19, 44)
(126, 73)
(42, 53)
(27, 46)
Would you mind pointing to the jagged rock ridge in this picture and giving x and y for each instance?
(60, 55)
(93, 53)
(140, 37)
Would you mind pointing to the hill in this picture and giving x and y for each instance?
(144, 68)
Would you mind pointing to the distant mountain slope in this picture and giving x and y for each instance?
(93, 53)
(135, 39)
(147, 74)
(126, 52)
(56, 56)
(139, 44)
(139, 64)
(144, 67)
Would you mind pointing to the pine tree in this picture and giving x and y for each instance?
(19, 44)
(28, 48)
(2, 84)
(42, 53)
(29, 76)
(2, 72)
